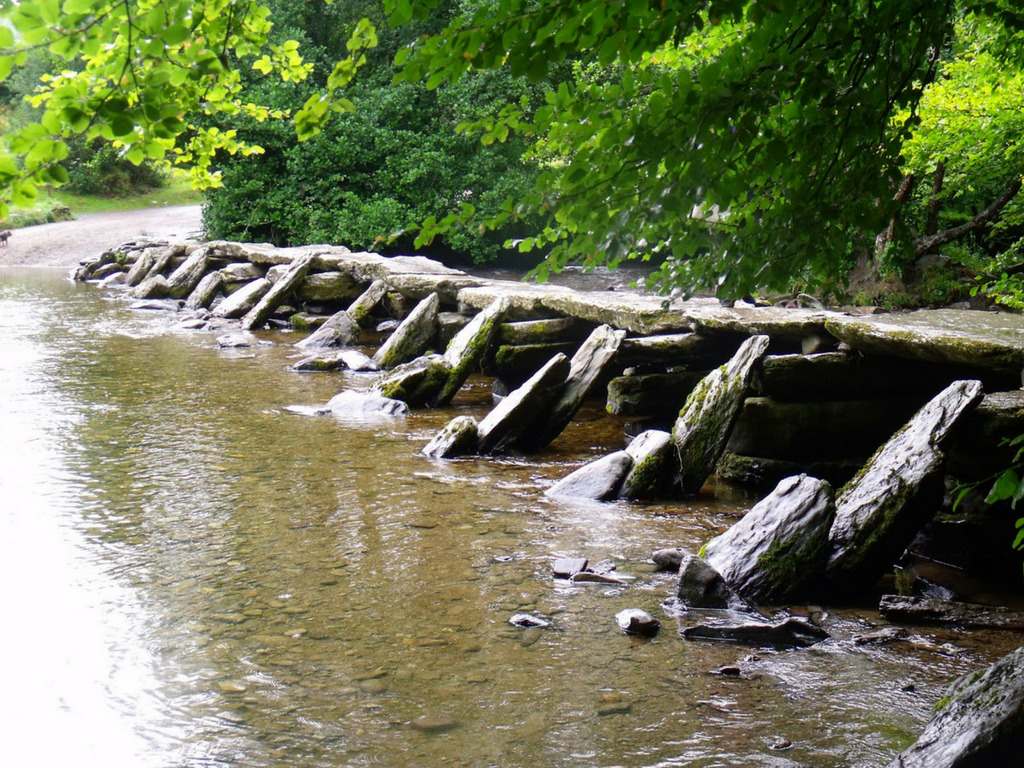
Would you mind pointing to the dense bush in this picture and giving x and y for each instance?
(372, 174)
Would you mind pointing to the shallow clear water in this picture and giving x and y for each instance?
(196, 576)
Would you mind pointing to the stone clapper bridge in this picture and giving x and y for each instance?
(884, 406)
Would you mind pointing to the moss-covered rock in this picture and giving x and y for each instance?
(651, 452)
(458, 438)
(361, 310)
(412, 337)
(417, 382)
(993, 340)
(879, 511)
(980, 721)
(659, 395)
(467, 350)
(702, 428)
(778, 550)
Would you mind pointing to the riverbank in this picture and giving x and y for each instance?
(65, 243)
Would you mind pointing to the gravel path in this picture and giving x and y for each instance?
(65, 243)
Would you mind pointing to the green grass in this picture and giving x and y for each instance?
(56, 205)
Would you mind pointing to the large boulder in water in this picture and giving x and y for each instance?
(779, 548)
(979, 723)
(599, 480)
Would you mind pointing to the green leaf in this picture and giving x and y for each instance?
(1004, 487)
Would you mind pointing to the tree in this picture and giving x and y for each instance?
(147, 76)
(742, 143)
(968, 143)
(393, 161)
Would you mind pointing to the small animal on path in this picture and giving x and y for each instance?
(5, 236)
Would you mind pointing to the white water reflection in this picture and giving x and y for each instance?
(76, 680)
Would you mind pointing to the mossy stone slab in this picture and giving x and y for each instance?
(993, 340)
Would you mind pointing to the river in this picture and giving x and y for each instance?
(195, 575)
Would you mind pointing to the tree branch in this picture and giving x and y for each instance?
(928, 243)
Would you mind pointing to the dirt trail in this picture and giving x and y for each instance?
(65, 243)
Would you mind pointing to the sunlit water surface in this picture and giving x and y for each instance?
(196, 576)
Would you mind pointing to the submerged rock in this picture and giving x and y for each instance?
(236, 340)
(567, 567)
(779, 548)
(668, 558)
(791, 633)
(350, 402)
(527, 621)
(979, 723)
(335, 360)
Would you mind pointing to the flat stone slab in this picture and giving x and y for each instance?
(993, 340)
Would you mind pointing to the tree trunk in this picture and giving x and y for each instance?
(931, 225)
(900, 198)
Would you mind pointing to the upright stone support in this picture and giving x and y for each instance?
(590, 361)
(413, 335)
(186, 277)
(140, 269)
(468, 348)
(242, 300)
(702, 428)
(339, 331)
(878, 512)
(203, 294)
(519, 411)
(651, 452)
(361, 309)
(272, 299)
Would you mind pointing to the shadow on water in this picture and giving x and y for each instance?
(200, 577)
